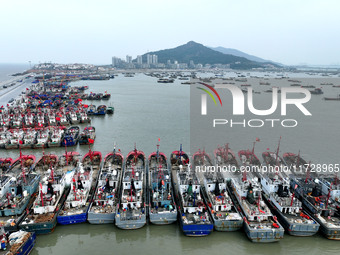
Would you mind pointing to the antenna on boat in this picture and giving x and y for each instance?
(226, 152)
(114, 152)
(277, 153)
(66, 152)
(329, 194)
(308, 172)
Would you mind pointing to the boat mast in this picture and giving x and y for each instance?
(277, 154)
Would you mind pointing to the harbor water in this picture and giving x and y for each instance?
(145, 111)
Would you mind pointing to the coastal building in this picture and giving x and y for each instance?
(128, 59)
(139, 60)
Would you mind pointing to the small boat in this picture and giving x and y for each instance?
(162, 207)
(131, 211)
(215, 193)
(110, 110)
(194, 217)
(19, 242)
(87, 136)
(83, 117)
(73, 118)
(101, 110)
(91, 110)
(106, 96)
(52, 194)
(317, 91)
(332, 98)
(103, 208)
(71, 136)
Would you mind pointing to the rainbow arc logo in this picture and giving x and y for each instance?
(209, 93)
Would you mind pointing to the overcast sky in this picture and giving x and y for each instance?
(67, 31)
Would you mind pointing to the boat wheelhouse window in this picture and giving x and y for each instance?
(126, 184)
(136, 183)
(209, 185)
(13, 190)
(114, 185)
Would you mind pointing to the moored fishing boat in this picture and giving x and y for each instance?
(101, 110)
(131, 211)
(26, 161)
(52, 193)
(42, 138)
(259, 223)
(19, 243)
(82, 187)
(71, 136)
(28, 138)
(56, 137)
(5, 164)
(194, 218)
(320, 199)
(87, 136)
(103, 208)
(215, 193)
(162, 207)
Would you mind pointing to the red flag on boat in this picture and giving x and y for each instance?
(57, 118)
(21, 142)
(91, 141)
(26, 88)
(257, 139)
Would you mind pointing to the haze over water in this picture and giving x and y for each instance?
(144, 112)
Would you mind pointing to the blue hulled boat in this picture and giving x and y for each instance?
(194, 218)
(71, 136)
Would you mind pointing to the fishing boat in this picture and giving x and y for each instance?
(101, 110)
(91, 109)
(57, 135)
(226, 157)
(52, 193)
(332, 98)
(215, 193)
(17, 195)
(78, 200)
(29, 120)
(131, 211)
(28, 138)
(87, 136)
(294, 162)
(48, 161)
(319, 197)
(26, 161)
(19, 243)
(5, 164)
(4, 139)
(42, 138)
(106, 96)
(110, 110)
(83, 117)
(71, 136)
(103, 208)
(194, 217)
(14, 137)
(73, 118)
(162, 207)
(259, 223)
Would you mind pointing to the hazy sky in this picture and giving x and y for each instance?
(65, 31)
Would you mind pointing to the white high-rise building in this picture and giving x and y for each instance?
(154, 59)
(128, 59)
(139, 60)
(149, 59)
